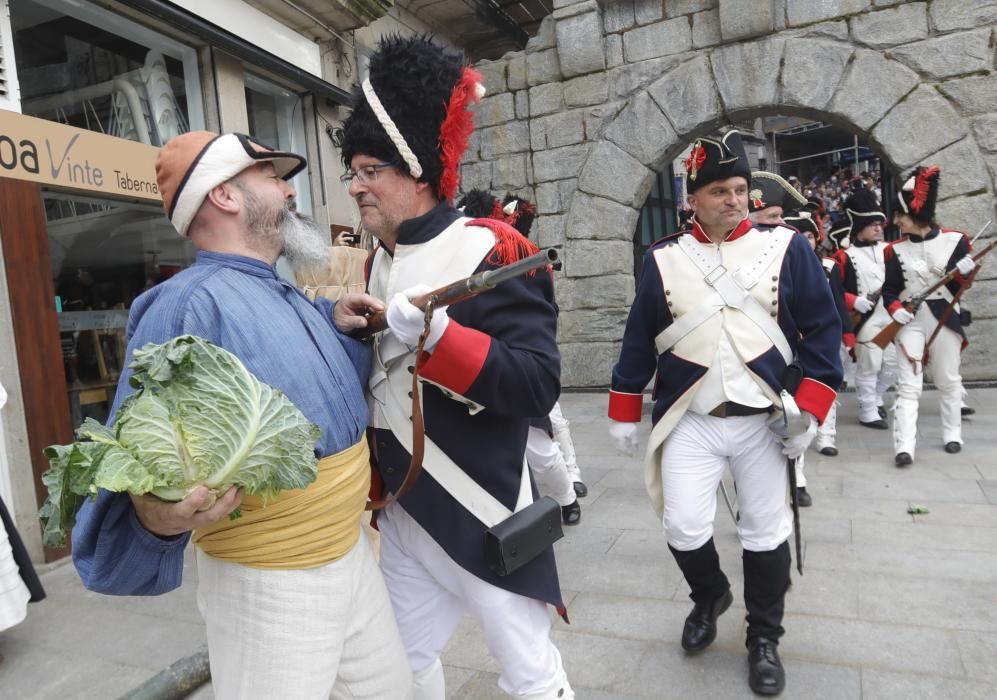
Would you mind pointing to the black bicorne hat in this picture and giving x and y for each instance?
(769, 190)
(711, 160)
(803, 222)
(411, 110)
(919, 195)
(862, 208)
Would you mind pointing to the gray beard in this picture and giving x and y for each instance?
(304, 246)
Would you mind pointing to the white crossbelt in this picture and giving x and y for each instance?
(465, 490)
(729, 290)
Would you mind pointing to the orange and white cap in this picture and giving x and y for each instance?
(190, 165)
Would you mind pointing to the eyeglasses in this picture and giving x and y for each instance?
(365, 174)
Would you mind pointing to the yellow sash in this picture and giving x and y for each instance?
(302, 529)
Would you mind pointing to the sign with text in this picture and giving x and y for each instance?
(63, 156)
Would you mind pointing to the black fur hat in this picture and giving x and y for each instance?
(515, 211)
(477, 204)
(424, 89)
(919, 195)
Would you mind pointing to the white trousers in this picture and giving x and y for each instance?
(848, 365)
(302, 634)
(828, 430)
(693, 460)
(562, 434)
(430, 593)
(545, 459)
(875, 372)
(943, 363)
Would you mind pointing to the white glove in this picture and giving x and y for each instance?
(862, 305)
(795, 445)
(407, 321)
(624, 437)
(965, 265)
(902, 316)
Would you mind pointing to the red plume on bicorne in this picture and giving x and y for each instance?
(456, 131)
(922, 187)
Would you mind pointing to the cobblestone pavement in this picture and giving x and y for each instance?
(891, 605)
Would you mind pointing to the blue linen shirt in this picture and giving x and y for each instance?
(286, 341)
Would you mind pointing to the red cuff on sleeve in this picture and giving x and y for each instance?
(815, 397)
(894, 306)
(848, 339)
(625, 408)
(458, 357)
(850, 300)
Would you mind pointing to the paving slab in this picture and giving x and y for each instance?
(891, 605)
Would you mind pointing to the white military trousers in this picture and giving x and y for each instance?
(430, 593)
(943, 363)
(827, 431)
(875, 372)
(545, 459)
(302, 634)
(693, 460)
(562, 434)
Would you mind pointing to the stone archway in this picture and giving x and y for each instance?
(637, 116)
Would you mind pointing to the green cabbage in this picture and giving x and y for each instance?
(198, 416)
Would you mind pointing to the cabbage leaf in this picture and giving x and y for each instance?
(198, 416)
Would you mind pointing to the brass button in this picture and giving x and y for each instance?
(775, 278)
(775, 289)
(774, 302)
(773, 314)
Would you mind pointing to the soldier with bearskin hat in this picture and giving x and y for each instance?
(863, 270)
(490, 364)
(921, 258)
(549, 443)
(739, 328)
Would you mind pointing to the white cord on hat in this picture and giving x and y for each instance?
(389, 126)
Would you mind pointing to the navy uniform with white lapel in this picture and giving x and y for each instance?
(717, 325)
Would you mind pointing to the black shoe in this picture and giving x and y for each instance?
(877, 424)
(803, 499)
(830, 451)
(581, 490)
(571, 514)
(766, 676)
(903, 459)
(967, 411)
(953, 447)
(882, 412)
(701, 626)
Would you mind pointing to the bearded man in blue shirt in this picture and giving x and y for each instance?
(295, 606)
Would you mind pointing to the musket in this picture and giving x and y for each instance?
(858, 320)
(464, 289)
(945, 314)
(913, 303)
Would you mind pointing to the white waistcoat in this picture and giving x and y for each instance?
(923, 264)
(870, 273)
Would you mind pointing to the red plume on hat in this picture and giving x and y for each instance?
(456, 130)
(922, 187)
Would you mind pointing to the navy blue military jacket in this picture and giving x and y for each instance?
(807, 316)
(499, 351)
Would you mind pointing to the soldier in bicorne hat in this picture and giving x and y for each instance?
(863, 270)
(738, 326)
(769, 197)
(489, 365)
(933, 337)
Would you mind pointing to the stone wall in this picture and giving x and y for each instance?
(606, 94)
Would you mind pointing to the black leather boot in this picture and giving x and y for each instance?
(571, 514)
(710, 591)
(766, 580)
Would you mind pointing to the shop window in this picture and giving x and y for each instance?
(277, 120)
(82, 65)
(104, 254)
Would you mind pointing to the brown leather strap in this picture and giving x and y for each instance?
(418, 424)
(948, 312)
